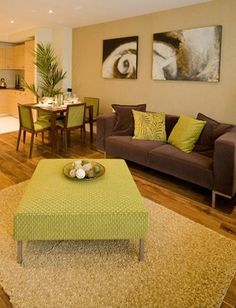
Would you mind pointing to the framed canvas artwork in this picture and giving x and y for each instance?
(120, 58)
(192, 54)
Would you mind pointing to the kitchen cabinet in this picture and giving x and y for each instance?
(9, 99)
(12, 56)
(13, 99)
(6, 57)
(19, 56)
(2, 57)
(3, 102)
(29, 62)
(9, 57)
(16, 97)
(30, 70)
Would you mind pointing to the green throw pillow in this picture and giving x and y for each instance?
(186, 133)
(149, 125)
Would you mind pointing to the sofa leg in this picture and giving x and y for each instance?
(105, 154)
(214, 193)
(213, 199)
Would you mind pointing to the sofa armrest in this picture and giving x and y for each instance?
(105, 124)
(224, 164)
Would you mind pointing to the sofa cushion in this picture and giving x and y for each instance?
(149, 125)
(124, 125)
(192, 167)
(211, 131)
(185, 133)
(128, 148)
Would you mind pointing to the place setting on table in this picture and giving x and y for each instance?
(59, 101)
(56, 107)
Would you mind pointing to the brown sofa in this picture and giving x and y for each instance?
(211, 167)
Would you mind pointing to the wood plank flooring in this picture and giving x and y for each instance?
(184, 198)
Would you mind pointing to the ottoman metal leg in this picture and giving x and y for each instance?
(141, 250)
(19, 252)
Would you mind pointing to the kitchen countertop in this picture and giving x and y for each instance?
(21, 89)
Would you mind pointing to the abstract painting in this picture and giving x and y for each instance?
(192, 54)
(120, 58)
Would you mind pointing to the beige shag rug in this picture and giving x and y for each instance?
(186, 265)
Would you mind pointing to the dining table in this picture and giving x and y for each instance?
(54, 110)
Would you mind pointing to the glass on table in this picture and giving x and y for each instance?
(75, 99)
(59, 98)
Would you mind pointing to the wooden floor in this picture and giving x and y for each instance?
(184, 198)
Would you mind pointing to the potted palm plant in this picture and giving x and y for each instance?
(50, 73)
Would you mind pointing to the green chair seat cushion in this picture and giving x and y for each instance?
(44, 118)
(40, 125)
(60, 123)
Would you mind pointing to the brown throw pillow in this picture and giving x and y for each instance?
(211, 131)
(124, 125)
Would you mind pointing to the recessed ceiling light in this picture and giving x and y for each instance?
(12, 21)
(50, 11)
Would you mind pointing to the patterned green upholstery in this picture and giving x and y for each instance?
(41, 124)
(43, 115)
(95, 103)
(61, 123)
(27, 122)
(75, 116)
(54, 207)
(75, 119)
(26, 118)
(149, 125)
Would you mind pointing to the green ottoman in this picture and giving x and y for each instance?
(55, 207)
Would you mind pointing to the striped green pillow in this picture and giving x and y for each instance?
(149, 125)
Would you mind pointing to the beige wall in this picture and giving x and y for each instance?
(61, 39)
(217, 100)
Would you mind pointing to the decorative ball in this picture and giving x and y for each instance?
(72, 173)
(84, 162)
(80, 173)
(77, 163)
(90, 173)
(96, 168)
(87, 166)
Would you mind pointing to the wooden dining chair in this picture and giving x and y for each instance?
(75, 119)
(95, 103)
(27, 124)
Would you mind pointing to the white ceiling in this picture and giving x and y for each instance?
(28, 14)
